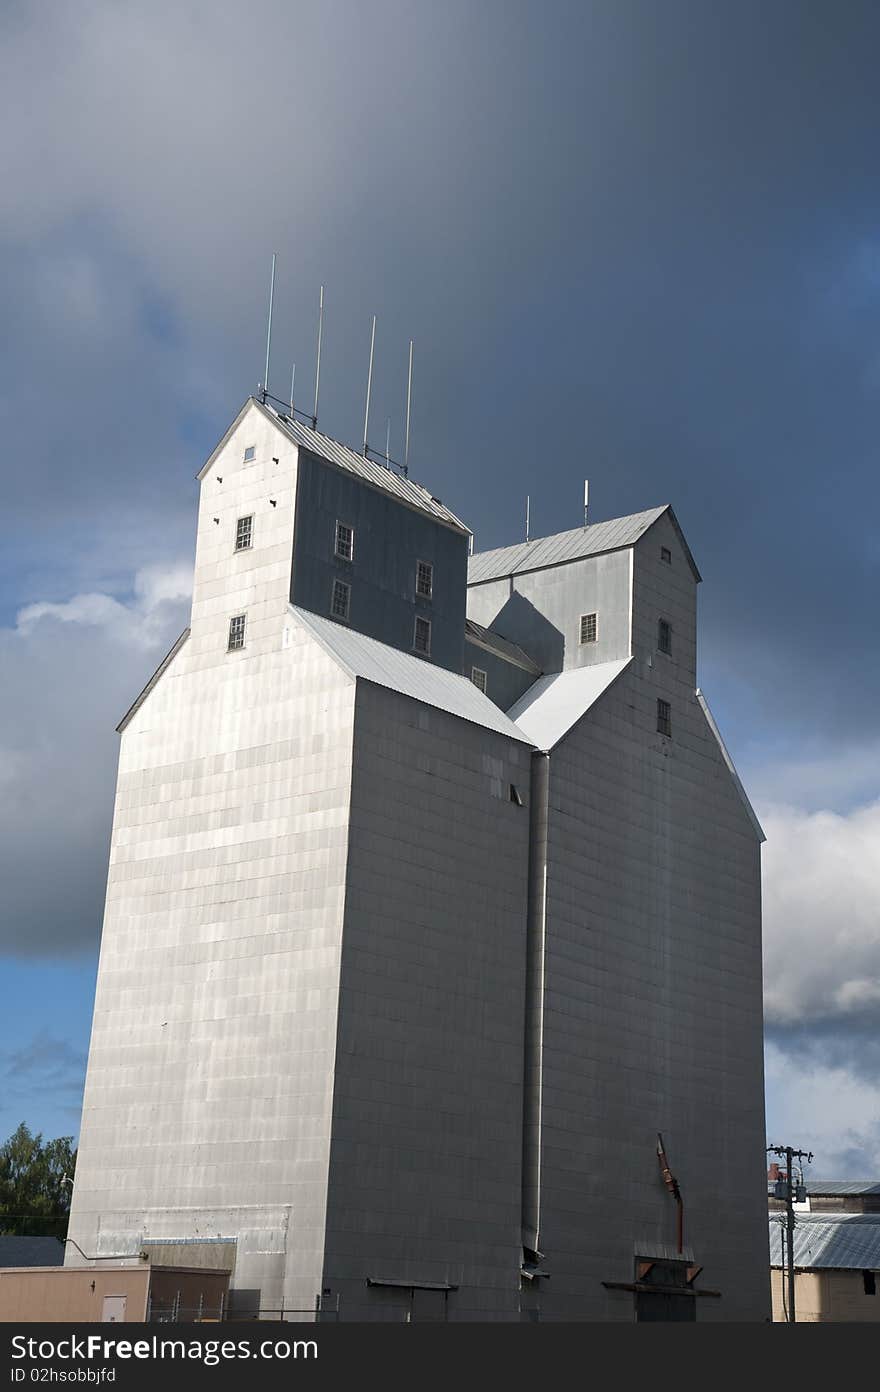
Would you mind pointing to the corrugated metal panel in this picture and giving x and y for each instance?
(412, 676)
(549, 708)
(846, 1241)
(502, 647)
(564, 546)
(376, 474)
(833, 1187)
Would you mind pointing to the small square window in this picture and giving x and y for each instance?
(244, 533)
(344, 542)
(422, 636)
(589, 628)
(340, 601)
(664, 718)
(666, 555)
(236, 633)
(250, 454)
(664, 636)
(424, 580)
(478, 677)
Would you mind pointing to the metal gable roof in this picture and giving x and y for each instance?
(842, 1241)
(564, 546)
(613, 535)
(407, 674)
(331, 451)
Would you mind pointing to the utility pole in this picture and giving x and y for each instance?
(790, 1157)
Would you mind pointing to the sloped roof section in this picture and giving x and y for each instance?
(556, 702)
(834, 1188)
(614, 535)
(413, 494)
(412, 676)
(501, 647)
(759, 830)
(564, 546)
(842, 1241)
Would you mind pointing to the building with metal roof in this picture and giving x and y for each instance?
(574, 545)
(433, 898)
(837, 1266)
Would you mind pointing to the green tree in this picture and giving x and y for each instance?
(34, 1184)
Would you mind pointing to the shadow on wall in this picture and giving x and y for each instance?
(522, 623)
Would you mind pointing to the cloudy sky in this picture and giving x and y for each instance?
(633, 241)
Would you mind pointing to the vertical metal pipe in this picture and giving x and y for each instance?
(408, 403)
(586, 499)
(388, 441)
(292, 382)
(369, 385)
(528, 509)
(533, 1063)
(318, 363)
(269, 327)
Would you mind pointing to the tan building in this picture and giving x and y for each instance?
(112, 1294)
(837, 1267)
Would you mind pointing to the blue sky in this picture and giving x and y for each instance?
(634, 242)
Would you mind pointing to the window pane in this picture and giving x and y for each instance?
(422, 636)
(588, 628)
(236, 632)
(424, 580)
(664, 718)
(344, 541)
(339, 603)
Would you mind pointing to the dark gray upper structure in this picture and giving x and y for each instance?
(433, 898)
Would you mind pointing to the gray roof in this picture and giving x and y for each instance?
(412, 676)
(831, 1188)
(31, 1251)
(557, 701)
(413, 494)
(844, 1241)
(613, 535)
(501, 647)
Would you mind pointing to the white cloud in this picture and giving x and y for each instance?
(821, 914)
(68, 671)
(140, 624)
(824, 1109)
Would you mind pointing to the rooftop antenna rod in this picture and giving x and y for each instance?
(408, 403)
(318, 363)
(387, 441)
(528, 503)
(292, 381)
(269, 330)
(586, 499)
(369, 386)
